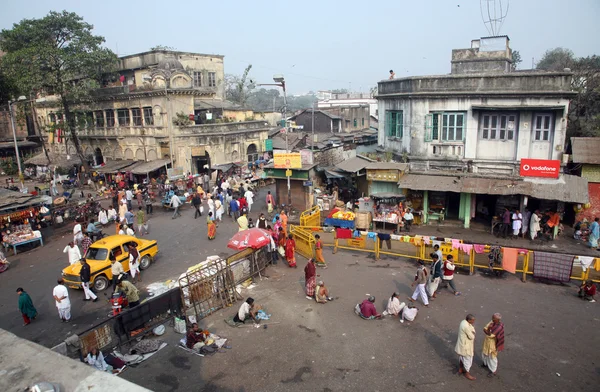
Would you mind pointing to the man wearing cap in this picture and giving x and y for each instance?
(367, 309)
(420, 281)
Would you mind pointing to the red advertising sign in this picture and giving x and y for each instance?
(540, 168)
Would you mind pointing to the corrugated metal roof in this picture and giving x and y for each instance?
(148, 167)
(114, 166)
(567, 188)
(11, 200)
(56, 160)
(388, 166)
(353, 165)
(586, 150)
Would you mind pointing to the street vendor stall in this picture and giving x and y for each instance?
(19, 217)
(387, 211)
(340, 218)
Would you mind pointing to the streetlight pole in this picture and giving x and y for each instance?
(14, 130)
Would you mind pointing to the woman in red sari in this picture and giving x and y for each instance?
(290, 249)
(212, 227)
(310, 279)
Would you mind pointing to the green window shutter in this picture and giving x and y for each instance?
(428, 127)
(399, 124)
(435, 128)
(355, 123)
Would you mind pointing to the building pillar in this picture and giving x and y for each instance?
(425, 205)
(467, 209)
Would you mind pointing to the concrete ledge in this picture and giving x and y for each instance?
(24, 363)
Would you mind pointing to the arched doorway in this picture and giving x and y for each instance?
(98, 158)
(252, 153)
(202, 163)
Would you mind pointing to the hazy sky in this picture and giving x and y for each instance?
(326, 44)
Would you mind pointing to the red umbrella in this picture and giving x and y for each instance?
(251, 238)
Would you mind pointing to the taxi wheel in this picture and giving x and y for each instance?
(100, 283)
(145, 262)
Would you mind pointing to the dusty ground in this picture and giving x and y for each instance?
(550, 337)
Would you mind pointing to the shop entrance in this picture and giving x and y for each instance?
(452, 205)
(202, 163)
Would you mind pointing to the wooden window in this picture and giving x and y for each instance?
(498, 126)
(110, 118)
(394, 123)
(99, 119)
(136, 115)
(542, 126)
(123, 116)
(148, 117)
(197, 79)
(212, 79)
(452, 127)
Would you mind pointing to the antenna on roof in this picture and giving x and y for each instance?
(493, 14)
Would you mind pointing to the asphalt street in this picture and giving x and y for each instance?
(551, 335)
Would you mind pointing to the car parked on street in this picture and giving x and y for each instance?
(97, 257)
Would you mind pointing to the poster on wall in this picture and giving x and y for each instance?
(546, 168)
(287, 160)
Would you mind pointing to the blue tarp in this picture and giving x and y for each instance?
(344, 224)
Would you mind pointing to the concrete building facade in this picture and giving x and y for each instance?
(480, 121)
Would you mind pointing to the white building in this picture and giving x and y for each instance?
(349, 100)
(466, 133)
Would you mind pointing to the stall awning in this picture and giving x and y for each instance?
(331, 173)
(148, 167)
(12, 200)
(115, 166)
(21, 144)
(567, 188)
(56, 160)
(353, 165)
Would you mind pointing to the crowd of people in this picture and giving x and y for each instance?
(527, 224)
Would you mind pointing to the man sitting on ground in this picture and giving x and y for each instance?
(367, 309)
(246, 311)
(587, 291)
(195, 337)
(409, 313)
(322, 293)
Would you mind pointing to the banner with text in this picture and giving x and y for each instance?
(540, 168)
(287, 160)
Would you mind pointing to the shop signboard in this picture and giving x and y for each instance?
(385, 175)
(176, 172)
(307, 157)
(269, 145)
(198, 151)
(287, 160)
(540, 168)
(281, 173)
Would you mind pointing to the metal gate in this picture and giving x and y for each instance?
(305, 241)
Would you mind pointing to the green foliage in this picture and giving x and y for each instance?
(57, 53)
(182, 119)
(516, 59)
(9, 166)
(238, 88)
(556, 59)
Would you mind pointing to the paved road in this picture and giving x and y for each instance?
(182, 243)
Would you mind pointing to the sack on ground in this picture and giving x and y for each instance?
(281, 251)
(357, 309)
(180, 325)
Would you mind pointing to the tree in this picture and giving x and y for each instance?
(556, 59)
(516, 59)
(584, 110)
(238, 88)
(57, 53)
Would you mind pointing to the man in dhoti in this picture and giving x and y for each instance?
(493, 343)
(465, 346)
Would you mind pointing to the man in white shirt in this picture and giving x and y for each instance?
(408, 219)
(77, 234)
(129, 198)
(61, 296)
(249, 195)
(225, 185)
(246, 311)
(211, 205)
(175, 203)
(73, 252)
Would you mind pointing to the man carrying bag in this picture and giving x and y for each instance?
(435, 276)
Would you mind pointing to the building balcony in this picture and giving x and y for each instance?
(224, 128)
(123, 131)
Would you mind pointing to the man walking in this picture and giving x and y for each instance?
(63, 304)
(26, 307)
(73, 252)
(506, 225)
(116, 269)
(436, 275)
(142, 223)
(85, 275)
(175, 203)
(493, 343)
(420, 281)
(465, 346)
(129, 198)
(197, 202)
(234, 208)
(205, 182)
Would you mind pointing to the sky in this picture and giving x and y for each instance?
(327, 44)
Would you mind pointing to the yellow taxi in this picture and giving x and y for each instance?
(97, 257)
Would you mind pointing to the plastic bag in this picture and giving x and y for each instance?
(180, 325)
(281, 251)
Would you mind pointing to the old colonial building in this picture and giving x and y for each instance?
(467, 134)
(163, 104)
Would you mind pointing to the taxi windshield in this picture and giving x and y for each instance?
(96, 254)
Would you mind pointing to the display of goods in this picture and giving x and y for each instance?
(344, 215)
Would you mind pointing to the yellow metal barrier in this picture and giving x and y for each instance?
(481, 260)
(361, 244)
(311, 217)
(305, 241)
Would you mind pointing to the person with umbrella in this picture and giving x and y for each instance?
(26, 307)
(290, 250)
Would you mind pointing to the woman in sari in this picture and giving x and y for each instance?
(290, 251)
(284, 220)
(594, 233)
(310, 279)
(212, 227)
(319, 252)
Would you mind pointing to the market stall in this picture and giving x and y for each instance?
(20, 218)
(340, 218)
(388, 211)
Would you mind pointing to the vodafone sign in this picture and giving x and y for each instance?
(540, 168)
